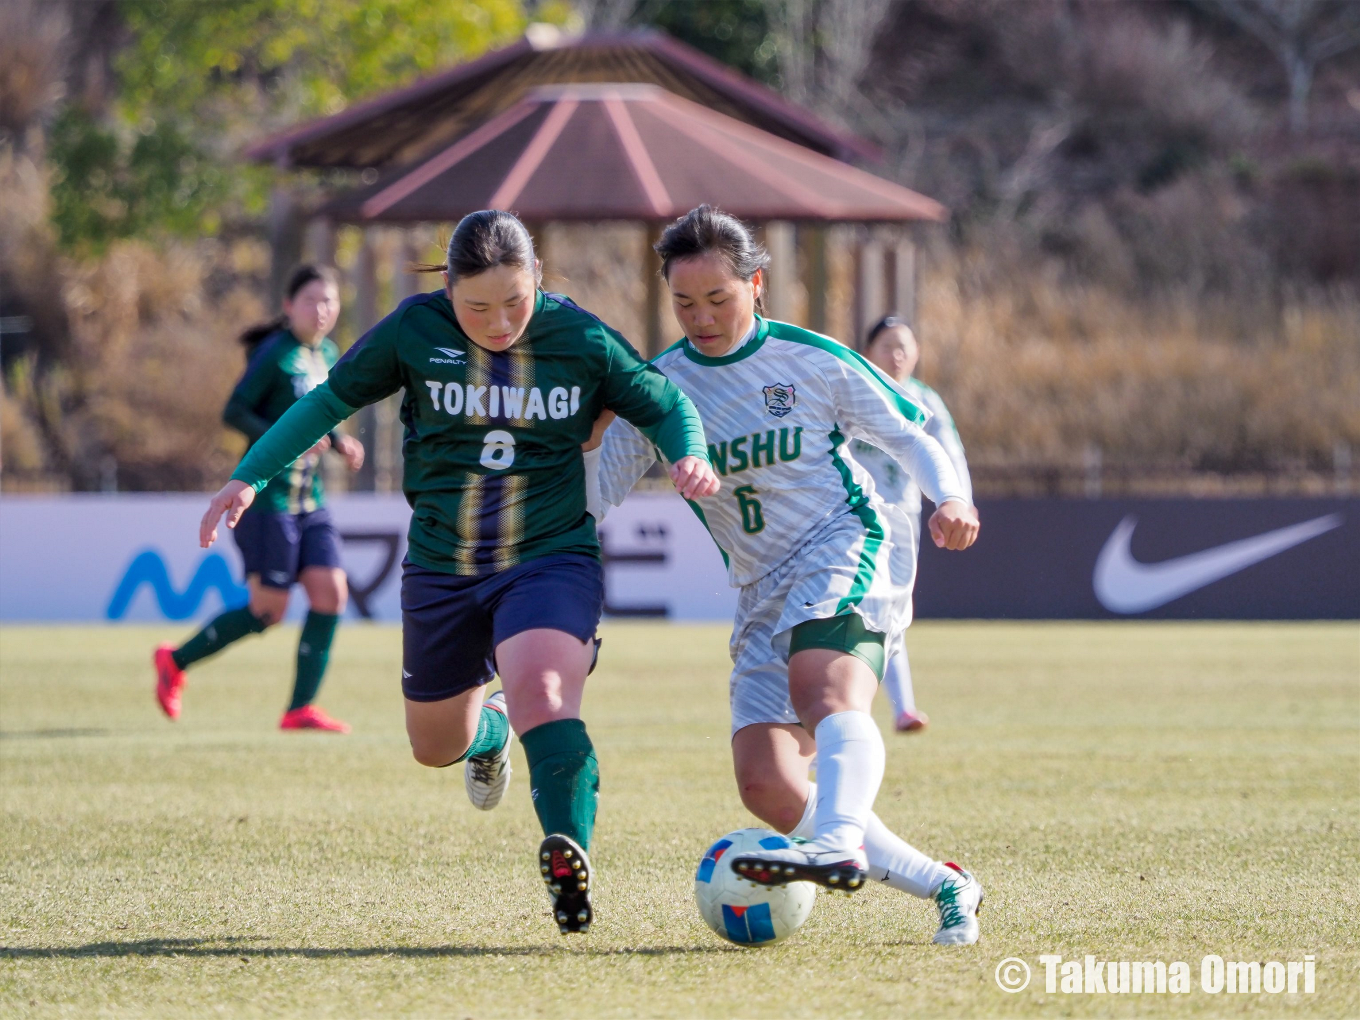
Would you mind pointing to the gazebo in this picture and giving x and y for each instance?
(631, 127)
(636, 153)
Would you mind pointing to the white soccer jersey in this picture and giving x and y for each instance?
(778, 412)
(891, 480)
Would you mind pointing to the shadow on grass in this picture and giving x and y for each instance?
(239, 947)
(51, 734)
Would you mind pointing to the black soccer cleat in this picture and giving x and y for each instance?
(835, 870)
(565, 868)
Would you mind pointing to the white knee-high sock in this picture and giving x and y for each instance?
(897, 683)
(892, 860)
(849, 773)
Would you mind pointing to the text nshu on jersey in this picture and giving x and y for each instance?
(891, 479)
(778, 413)
(492, 445)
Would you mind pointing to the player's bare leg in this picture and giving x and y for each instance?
(772, 762)
(465, 729)
(442, 732)
(831, 691)
(543, 672)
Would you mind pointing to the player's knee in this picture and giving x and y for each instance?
(268, 614)
(331, 603)
(327, 591)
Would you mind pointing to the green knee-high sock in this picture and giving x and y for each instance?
(313, 655)
(493, 730)
(564, 778)
(231, 626)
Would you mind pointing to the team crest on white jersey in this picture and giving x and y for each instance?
(451, 356)
(780, 399)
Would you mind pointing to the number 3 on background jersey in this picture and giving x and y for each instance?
(499, 451)
(752, 520)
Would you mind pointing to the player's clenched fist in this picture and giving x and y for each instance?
(954, 525)
(694, 478)
(232, 499)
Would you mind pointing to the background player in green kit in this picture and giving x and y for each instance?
(288, 536)
(502, 574)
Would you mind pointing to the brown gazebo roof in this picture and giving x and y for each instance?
(628, 152)
(408, 124)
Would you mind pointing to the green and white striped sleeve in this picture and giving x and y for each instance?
(876, 409)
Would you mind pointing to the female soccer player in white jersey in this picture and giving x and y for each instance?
(892, 346)
(817, 558)
(503, 384)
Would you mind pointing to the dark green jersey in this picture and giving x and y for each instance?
(280, 372)
(492, 448)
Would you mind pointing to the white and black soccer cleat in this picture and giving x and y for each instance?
(486, 777)
(958, 900)
(565, 868)
(843, 870)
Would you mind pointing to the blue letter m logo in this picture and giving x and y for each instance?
(149, 568)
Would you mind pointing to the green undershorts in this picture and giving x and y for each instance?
(841, 634)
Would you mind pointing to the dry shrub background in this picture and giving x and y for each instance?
(134, 397)
(1037, 372)
(1142, 263)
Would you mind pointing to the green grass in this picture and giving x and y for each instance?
(1135, 791)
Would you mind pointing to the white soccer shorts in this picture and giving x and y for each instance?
(840, 569)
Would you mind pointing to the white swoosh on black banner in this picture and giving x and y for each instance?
(1123, 585)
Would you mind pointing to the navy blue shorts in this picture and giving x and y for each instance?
(280, 546)
(451, 625)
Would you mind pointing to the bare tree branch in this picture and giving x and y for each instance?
(1301, 34)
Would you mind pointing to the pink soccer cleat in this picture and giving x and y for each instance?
(910, 722)
(169, 681)
(309, 717)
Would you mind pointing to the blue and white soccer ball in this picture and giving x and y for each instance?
(740, 910)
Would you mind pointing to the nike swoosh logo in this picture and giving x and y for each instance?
(1123, 585)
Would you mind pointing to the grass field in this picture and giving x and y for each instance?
(1134, 791)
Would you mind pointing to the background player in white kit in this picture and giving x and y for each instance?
(892, 346)
(824, 576)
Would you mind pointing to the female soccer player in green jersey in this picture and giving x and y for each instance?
(288, 536)
(503, 384)
(824, 577)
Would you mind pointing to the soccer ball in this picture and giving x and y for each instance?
(740, 910)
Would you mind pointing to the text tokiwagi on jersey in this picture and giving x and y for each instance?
(492, 446)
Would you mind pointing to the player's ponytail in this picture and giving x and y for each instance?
(301, 276)
(484, 240)
(706, 230)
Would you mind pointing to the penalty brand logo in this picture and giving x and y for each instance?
(452, 356)
(1125, 586)
(147, 567)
